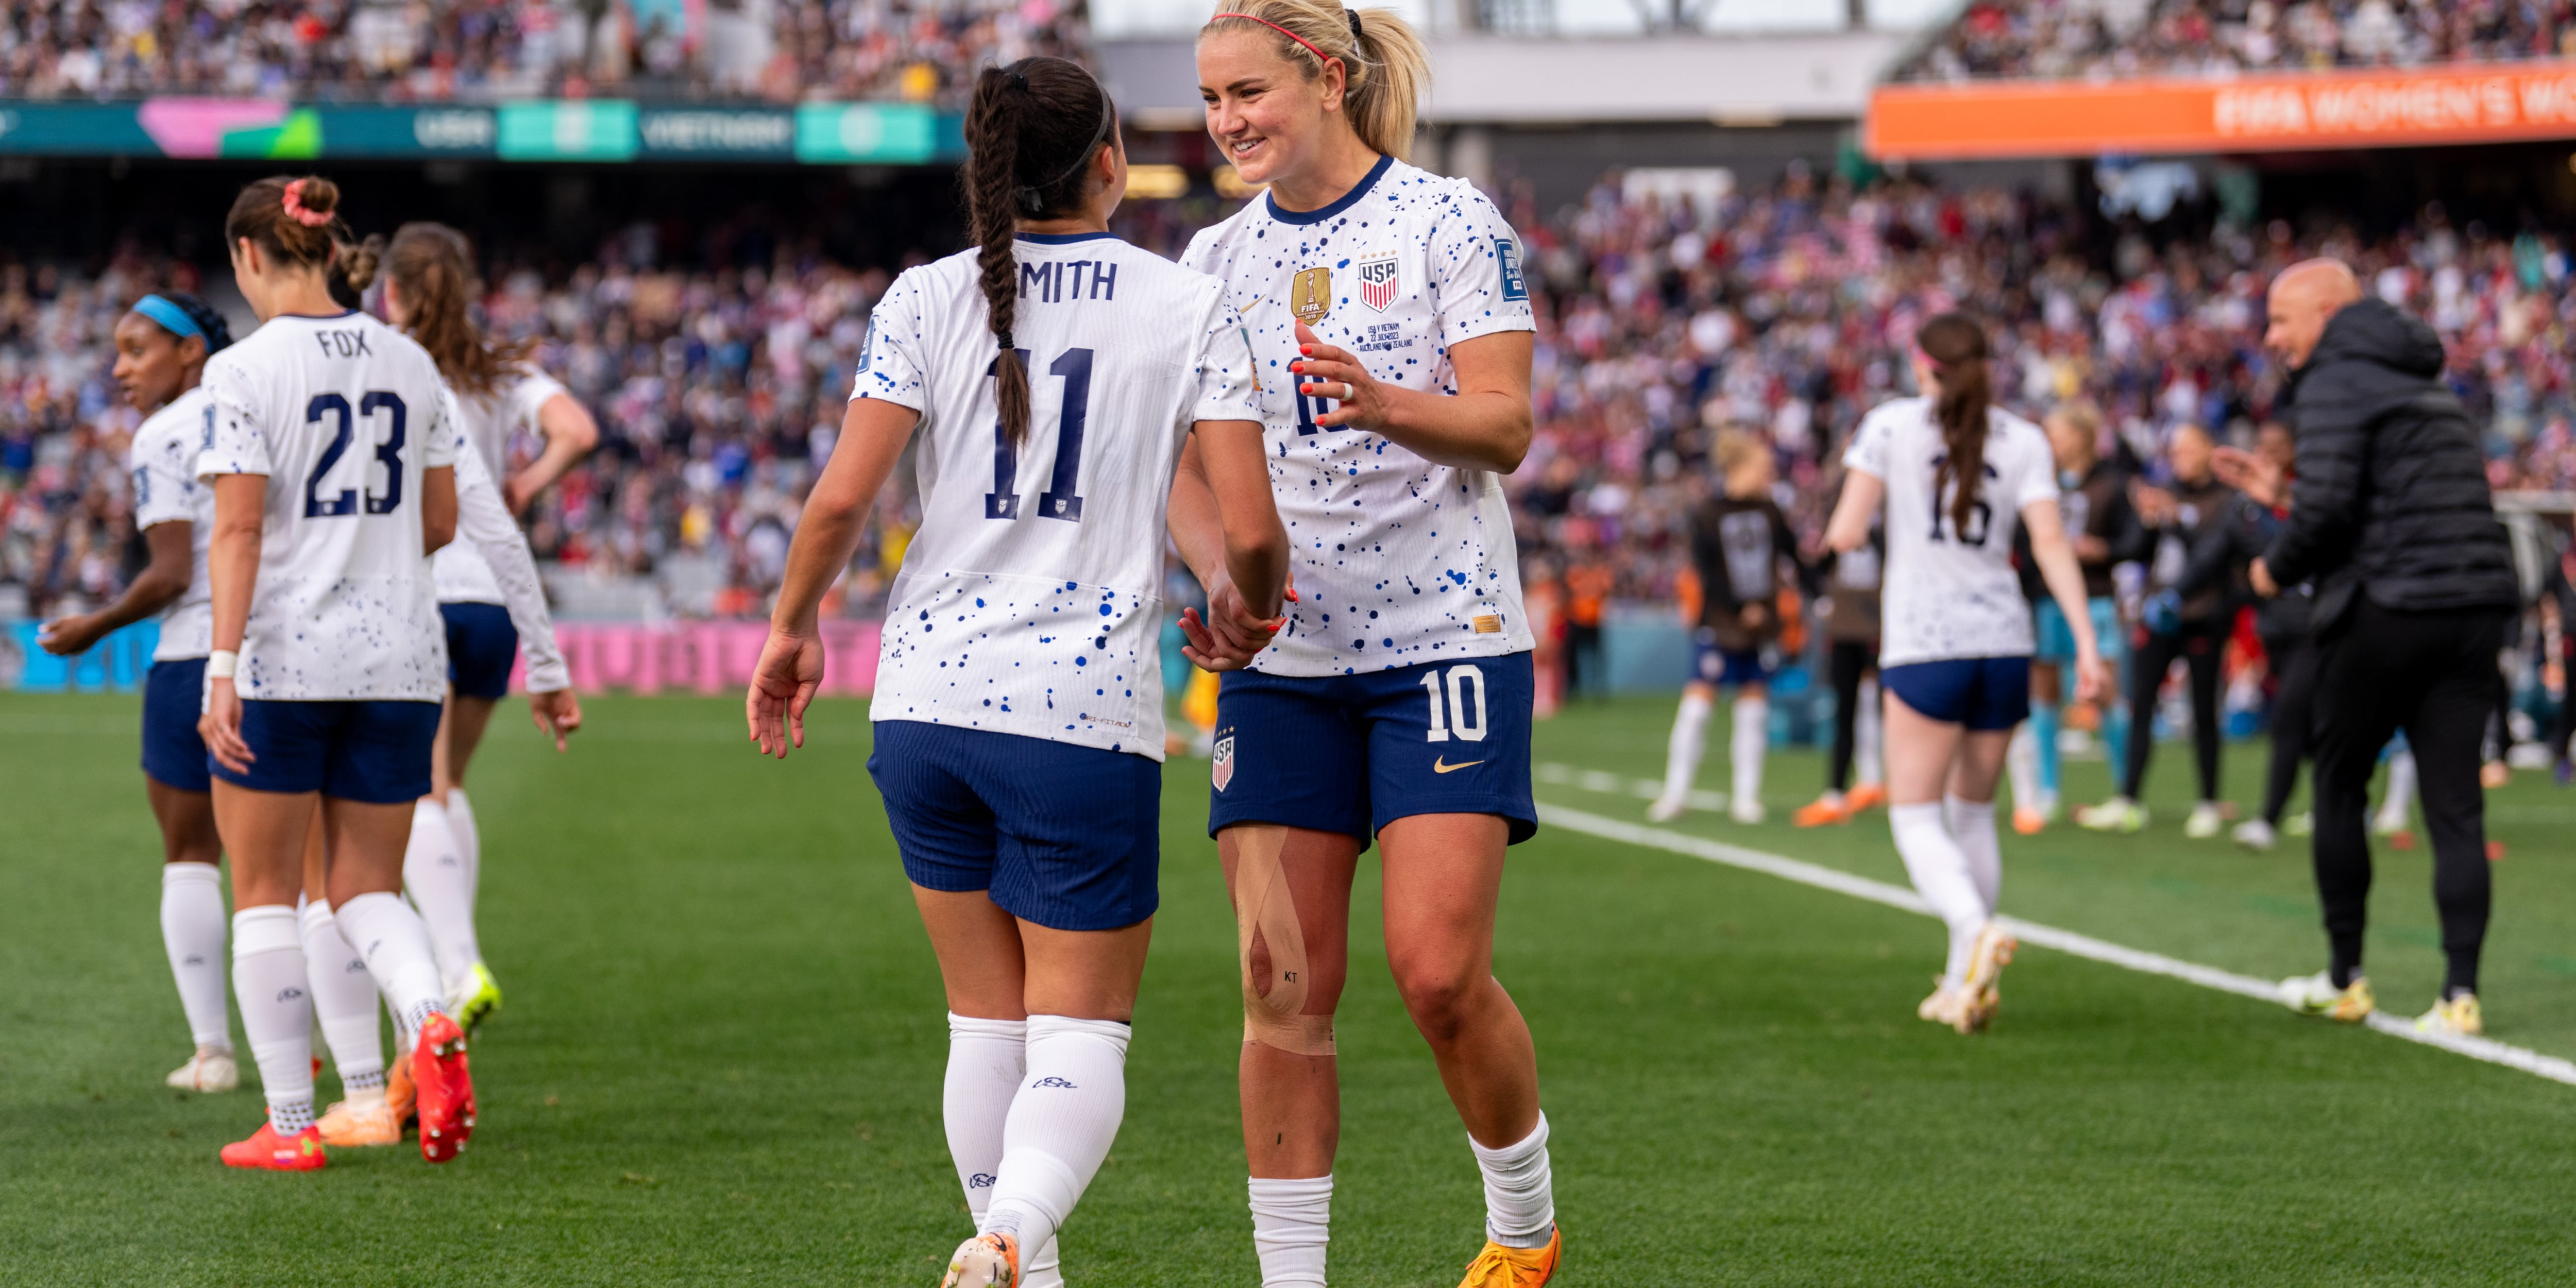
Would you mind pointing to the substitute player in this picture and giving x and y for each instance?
(1396, 702)
(1957, 475)
(161, 351)
(501, 394)
(331, 459)
(1054, 372)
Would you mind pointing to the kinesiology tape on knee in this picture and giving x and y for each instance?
(1268, 935)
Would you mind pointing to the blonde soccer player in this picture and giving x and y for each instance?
(1053, 373)
(161, 351)
(331, 458)
(1387, 307)
(500, 395)
(1956, 475)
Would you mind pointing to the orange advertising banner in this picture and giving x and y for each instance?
(2413, 107)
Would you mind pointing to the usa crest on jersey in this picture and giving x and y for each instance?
(1378, 281)
(1223, 770)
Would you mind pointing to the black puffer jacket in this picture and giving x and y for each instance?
(2391, 499)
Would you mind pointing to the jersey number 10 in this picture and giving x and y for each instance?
(389, 452)
(1058, 501)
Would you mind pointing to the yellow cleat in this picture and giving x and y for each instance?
(2317, 995)
(1501, 1267)
(2458, 1017)
(476, 998)
(360, 1124)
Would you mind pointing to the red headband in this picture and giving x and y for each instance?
(1320, 55)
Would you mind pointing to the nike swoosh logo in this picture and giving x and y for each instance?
(1441, 766)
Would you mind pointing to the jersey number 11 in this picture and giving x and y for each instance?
(1058, 501)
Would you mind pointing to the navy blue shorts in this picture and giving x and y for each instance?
(1981, 693)
(482, 646)
(375, 753)
(1727, 668)
(1066, 836)
(1353, 753)
(174, 695)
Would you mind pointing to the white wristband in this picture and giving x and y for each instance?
(222, 664)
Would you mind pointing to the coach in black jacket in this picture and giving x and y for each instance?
(2391, 517)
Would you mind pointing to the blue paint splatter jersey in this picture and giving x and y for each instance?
(487, 421)
(164, 464)
(343, 414)
(1030, 601)
(1397, 561)
(1951, 593)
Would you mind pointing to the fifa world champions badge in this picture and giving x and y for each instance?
(1378, 281)
(1222, 771)
(1310, 297)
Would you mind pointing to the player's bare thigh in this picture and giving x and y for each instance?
(997, 967)
(460, 732)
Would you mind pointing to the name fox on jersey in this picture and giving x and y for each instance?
(343, 344)
(1052, 282)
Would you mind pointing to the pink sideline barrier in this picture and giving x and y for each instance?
(698, 657)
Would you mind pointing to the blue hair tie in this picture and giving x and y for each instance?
(172, 318)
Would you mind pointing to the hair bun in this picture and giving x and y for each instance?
(319, 195)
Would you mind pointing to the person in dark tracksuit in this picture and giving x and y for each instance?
(2227, 550)
(2392, 518)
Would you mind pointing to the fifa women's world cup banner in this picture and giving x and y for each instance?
(2384, 107)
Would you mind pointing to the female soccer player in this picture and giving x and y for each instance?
(1851, 660)
(2093, 506)
(1956, 474)
(331, 455)
(1055, 372)
(161, 351)
(1396, 703)
(430, 272)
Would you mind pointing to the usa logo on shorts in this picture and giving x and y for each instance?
(1377, 282)
(1223, 771)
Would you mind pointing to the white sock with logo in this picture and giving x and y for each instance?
(192, 933)
(344, 1001)
(1062, 1122)
(986, 1060)
(469, 843)
(1520, 1197)
(1939, 869)
(390, 937)
(1747, 742)
(434, 872)
(277, 1013)
(2397, 803)
(1291, 1222)
(1682, 752)
(1972, 825)
(1865, 735)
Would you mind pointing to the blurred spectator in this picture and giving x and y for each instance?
(2109, 39)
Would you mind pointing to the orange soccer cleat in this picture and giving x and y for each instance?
(1866, 796)
(1501, 1267)
(267, 1151)
(1823, 811)
(444, 1087)
(401, 1096)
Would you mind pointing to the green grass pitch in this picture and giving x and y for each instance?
(721, 1053)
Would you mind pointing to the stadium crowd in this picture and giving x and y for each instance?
(420, 50)
(2102, 39)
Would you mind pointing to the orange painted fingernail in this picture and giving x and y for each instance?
(1306, 349)
(1296, 366)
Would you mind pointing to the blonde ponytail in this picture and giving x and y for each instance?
(1385, 67)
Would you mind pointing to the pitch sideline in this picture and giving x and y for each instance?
(2065, 941)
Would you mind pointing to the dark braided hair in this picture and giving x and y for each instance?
(1957, 347)
(1031, 132)
(218, 332)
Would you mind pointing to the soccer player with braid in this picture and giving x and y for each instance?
(1053, 373)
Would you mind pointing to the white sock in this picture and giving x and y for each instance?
(1061, 1124)
(1520, 1200)
(1682, 752)
(434, 872)
(1939, 869)
(1972, 825)
(1865, 735)
(1746, 744)
(2021, 764)
(388, 934)
(1291, 1223)
(277, 1013)
(986, 1060)
(344, 1000)
(192, 932)
(2397, 806)
(469, 843)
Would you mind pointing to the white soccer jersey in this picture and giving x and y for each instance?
(488, 421)
(1950, 594)
(166, 490)
(484, 525)
(342, 414)
(1398, 561)
(1030, 602)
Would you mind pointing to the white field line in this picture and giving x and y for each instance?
(2065, 941)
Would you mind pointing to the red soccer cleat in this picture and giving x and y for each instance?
(268, 1151)
(444, 1088)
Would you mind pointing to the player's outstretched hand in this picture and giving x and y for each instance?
(1328, 371)
(69, 636)
(2256, 477)
(220, 727)
(558, 714)
(782, 686)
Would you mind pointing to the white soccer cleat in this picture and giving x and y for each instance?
(2302, 823)
(1745, 811)
(985, 1261)
(210, 1069)
(2204, 822)
(2256, 835)
(1667, 808)
(2455, 1017)
(1964, 1009)
(2118, 814)
(2317, 995)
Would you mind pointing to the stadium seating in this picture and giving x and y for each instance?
(2109, 39)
